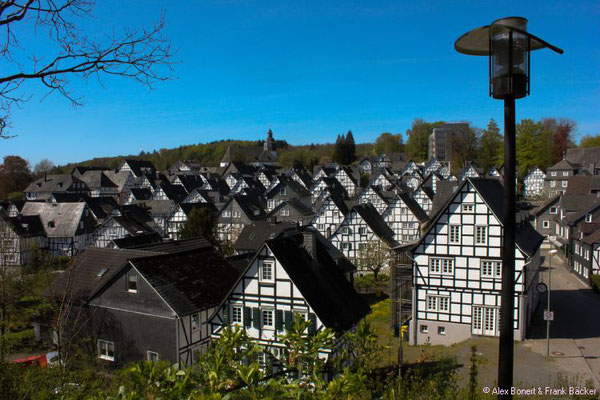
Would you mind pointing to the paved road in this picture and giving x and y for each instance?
(575, 332)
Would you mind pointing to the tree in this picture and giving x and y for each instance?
(491, 150)
(15, 175)
(42, 167)
(374, 256)
(135, 54)
(344, 152)
(350, 152)
(388, 143)
(200, 222)
(561, 136)
(590, 141)
(534, 146)
(465, 145)
(417, 142)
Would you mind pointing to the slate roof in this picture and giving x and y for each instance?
(189, 282)
(544, 206)
(82, 278)
(119, 178)
(592, 238)
(141, 193)
(188, 207)
(132, 225)
(79, 170)
(177, 193)
(252, 237)
(26, 226)
(590, 207)
(141, 167)
(576, 202)
(295, 204)
(584, 156)
(58, 219)
(414, 207)
(177, 246)
(583, 184)
(190, 182)
(374, 220)
(321, 283)
(157, 207)
(250, 205)
(53, 183)
(138, 240)
(564, 165)
(95, 179)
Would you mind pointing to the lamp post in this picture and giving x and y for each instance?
(551, 253)
(507, 44)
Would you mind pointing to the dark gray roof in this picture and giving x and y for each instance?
(58, 219)
(374, 220)
(252, 237)
(584, 156)
(95, 179)
(26, 226)
(141, 193)
(321, 283)
(177, 193)
(138, 240)
(414, 207)
(576, 202)
(54, 183)
(189, 282)
(177, 246)
(564, 165)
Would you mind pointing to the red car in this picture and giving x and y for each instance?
(40, 360)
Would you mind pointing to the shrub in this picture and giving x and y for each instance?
(596, 283)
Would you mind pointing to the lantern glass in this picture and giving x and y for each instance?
(509, 64)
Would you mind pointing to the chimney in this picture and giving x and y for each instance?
(310, 243)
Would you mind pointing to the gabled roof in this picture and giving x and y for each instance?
(374, 220)
(576, 202)
(189, 282)
(190, 182)
(26, 225)
(583, 184)
(564, 165)
(290, 184)
(97, 179)
(132, 225)
(588, 208)
(54, 183)
(544, 206)
(584, 156)
(295, 204)
(320, 282)
(58, 219)
(592, 238)
(492, 192)
(140, 167)
(252, 237)
(138, 240)
(176, 246)
(92, 269)
(188, 207)
(141, 193)
(414, 207)
(177, 193)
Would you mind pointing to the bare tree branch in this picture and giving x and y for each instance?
(143, 55)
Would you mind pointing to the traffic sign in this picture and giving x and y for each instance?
(548, 315)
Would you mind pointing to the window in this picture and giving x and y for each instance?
(152, 356)
(423, 329)
(552, 183)
(267, 318)
(226, 214)
(491, 269)
(545, 224)
(283, 191)
(553, 173)
(266, 271)
(271, 204)
(237, 214)
(468, 207)
(438, 303)
(362, 230)
(454, 236)
(564, 184)
(553, 210)
(441, 330)
(480, 234)
(441, 265)
(195, 321)
(106, 350)
(362, 246)
(236, 315)
(285, 212)
(346, 246)
(345, 230)
(132, 283)
(565, 173)
(588, 218)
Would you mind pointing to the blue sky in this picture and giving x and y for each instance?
(310, 70)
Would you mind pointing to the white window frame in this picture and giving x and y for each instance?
(264, 319)
(565, 183)
(468, 207)
(546, 224)
(270, 278)
(453, 233)
(491, 268)
(442, 330)
(423, 329)
(152, 356)
(481, 234)
(565, 173)
(237, 314)
(588, 217)
(284, 212)
(129, 289)
(552, 173)
(236, 214)
(226, 214)
(104, 347)
(441, 265)
(553, 210)
(195, 321)
(552, 184)
(346, 230)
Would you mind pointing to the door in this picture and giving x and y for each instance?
(485, 321)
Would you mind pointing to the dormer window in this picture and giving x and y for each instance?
(283, 191)
(553, 210)
(51, 224)
(132, 286)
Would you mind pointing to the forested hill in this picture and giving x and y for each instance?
(210, 154)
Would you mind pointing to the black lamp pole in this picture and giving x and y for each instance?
(507, 299)
(507, 44)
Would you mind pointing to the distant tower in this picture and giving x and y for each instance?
(270, 145)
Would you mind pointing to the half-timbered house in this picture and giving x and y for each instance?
(42, 188)
(19, 236)
(179, 216)
(405, 217)
(236, 213)
(533, 183)
(329, 214)
(290, 277)
(346, 177)
(458, 269)
(119, 227)
(376, 197)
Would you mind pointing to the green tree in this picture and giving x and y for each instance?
(534, 146)
(200, 222)
(590, 141)
(15, 175)
(491, 150)
(465, 144)
(417, 142)
(389, 143)
(344, 152)
(350, 148)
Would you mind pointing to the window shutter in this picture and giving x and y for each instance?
(247, 317)
(226, 318)
(279, 320)
(256, 317)
(288, 319)
(312, 328)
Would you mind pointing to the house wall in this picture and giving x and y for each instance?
(328, 218)
(406, 226)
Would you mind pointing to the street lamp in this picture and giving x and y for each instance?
(507, 44)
